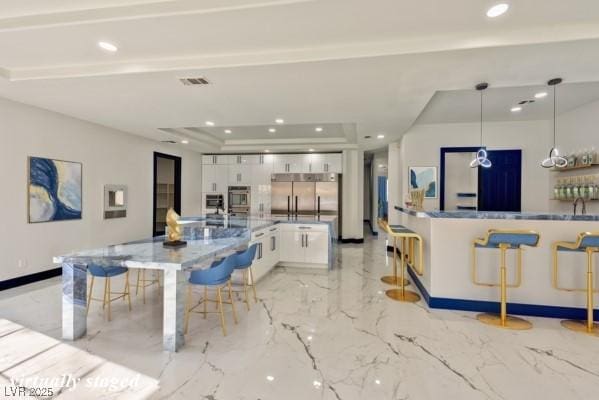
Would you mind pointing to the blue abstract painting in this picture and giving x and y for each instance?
(54, 190)
(424, 178)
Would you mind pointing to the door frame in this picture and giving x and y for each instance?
(177, 205)
(445, 150)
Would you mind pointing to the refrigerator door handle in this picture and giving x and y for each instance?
(288, 205)
(318, 209)
(295, 205)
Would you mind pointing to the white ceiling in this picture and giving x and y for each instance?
(457, 106)
(369, 67)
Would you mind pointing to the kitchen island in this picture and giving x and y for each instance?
(208, 238)
(446, 282)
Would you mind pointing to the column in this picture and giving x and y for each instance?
(74, 298)
(174, 309)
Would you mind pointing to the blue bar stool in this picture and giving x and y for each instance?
(504, 240)
(99, 271)
(587, 242)
(243, 263)
(217, 277)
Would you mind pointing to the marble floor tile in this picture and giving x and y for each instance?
(330, 335)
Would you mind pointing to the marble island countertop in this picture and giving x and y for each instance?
(467, 214)
(207, 237)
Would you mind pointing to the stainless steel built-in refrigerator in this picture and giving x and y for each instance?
(306, 194)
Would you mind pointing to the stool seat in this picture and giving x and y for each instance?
(514, 240)
(243, 262)
(400, 229)
(106, 272)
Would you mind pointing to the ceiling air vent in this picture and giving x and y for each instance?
(194, 81)
(168, 141)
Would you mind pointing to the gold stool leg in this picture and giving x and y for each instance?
(245, 288)
(109, 300)
(393, 279)
(503, 320)
(253, 284)
(127, 289)
(232, 302)
(401, 294)
(89, 297)
(588, 326)
(220, 308)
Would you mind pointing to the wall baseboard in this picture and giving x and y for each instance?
(356, 241)
(27, 279)
(532, 310)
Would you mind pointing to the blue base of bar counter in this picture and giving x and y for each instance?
(533, 310)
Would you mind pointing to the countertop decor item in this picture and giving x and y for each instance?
(481, 159)
(174, 233)
(554, 160)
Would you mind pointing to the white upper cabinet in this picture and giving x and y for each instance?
(215, 159)
(326, 163)
(244, 159)
(291, 163)
(240, 175)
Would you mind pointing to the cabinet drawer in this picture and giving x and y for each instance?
(304, 227)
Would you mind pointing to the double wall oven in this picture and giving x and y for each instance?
(239, 200)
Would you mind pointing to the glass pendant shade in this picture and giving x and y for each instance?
(481, 159)
(554, 160)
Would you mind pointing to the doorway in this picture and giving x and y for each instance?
(167, 190)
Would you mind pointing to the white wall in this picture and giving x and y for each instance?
(108, 157)
(420, 146)
(577, 130)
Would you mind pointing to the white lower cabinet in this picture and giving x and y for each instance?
(267, 253)
(304, 244)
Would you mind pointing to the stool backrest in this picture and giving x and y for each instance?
(589, 239)
(514, 238)
(246, 257)
(96, 270)
(216, 274)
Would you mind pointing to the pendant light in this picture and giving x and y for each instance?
(554, 160)
(481, 159)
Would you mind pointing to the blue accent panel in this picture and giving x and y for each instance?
(533, 310)
(500, 186)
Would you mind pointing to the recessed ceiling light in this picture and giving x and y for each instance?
(108, 46)
(540, 95)
(272, 130)
(311, 150)
(381, 165)
(228, 131)
(377, 381)
(185, 141)
(267, 151)
(270, 378)
(280, 121)
(317, 384)
(516, 109)
(209, 123)
(318, 129)
(497, 10)
(381, 136)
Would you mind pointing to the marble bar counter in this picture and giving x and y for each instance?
(447, 279)
(208, 237)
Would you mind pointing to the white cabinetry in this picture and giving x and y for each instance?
(214, 178)
(240, 175)
(305, 244)
(215, 159)
(267, 253)
(326, 163)
(291, 163)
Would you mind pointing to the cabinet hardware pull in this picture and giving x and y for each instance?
(307, 241)
(273, 229)
(305, 227)
(260, 234)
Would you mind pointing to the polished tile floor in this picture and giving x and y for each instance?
(318, 335)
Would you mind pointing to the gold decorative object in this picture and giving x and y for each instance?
(417, 197)
(174, 230)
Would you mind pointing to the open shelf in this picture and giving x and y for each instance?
(465, 194)
(572, 200)
(575, 167)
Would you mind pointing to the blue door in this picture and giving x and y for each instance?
(500, 187)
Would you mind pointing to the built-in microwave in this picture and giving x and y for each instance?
(239, 200)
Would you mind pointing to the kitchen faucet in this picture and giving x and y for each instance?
(584, 205)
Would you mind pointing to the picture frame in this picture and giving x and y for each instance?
(424, 178)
